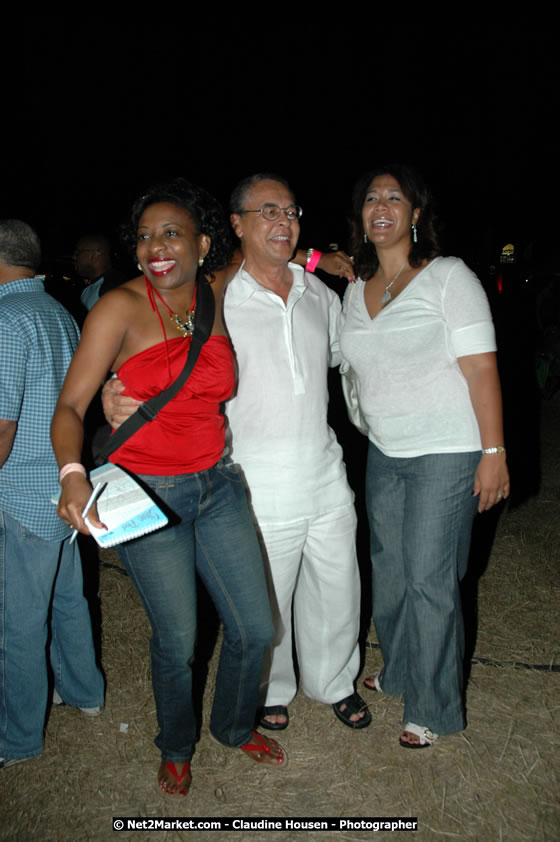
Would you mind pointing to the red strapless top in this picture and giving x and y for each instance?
(188, 434)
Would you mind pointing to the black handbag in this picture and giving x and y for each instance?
(147, 411)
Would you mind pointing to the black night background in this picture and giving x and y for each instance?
(94, 111)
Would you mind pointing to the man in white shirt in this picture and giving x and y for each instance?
(283, 325)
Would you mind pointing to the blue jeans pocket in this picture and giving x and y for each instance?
(229, 470)
(26, 535)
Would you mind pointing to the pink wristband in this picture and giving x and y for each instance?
(69, 469)
(311, 264)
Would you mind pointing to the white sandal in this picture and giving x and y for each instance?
(377, 685)
(425, 736)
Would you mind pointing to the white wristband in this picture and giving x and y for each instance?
(70, 468)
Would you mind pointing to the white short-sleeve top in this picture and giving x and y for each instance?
(413, 393)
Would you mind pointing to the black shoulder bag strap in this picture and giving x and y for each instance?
(147, 411)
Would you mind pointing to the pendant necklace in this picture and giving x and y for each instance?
(386, 297)
(184, 325)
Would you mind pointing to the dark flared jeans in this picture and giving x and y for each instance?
(420, 512)
(216, 538)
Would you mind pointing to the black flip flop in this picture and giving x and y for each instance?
(274, 710)
(354, 704)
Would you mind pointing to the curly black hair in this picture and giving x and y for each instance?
(203, 208)
(418, 194)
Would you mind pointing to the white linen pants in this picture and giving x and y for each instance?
(313, 564)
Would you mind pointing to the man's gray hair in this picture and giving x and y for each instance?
(19, 244)
(239, 194)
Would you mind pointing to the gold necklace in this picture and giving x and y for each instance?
(184, 325)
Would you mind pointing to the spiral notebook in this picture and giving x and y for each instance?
(124, 507)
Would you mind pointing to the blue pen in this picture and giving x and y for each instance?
(94, 495)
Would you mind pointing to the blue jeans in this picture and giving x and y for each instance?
(213, 534)
(37, 576)
(420, 513)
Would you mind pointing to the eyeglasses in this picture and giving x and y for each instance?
(272, 212)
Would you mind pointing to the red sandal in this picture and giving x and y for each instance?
(262, 744)
(178, 777)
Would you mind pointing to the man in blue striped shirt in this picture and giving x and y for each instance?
(39, 569)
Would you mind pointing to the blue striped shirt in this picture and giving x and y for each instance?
(37, 339)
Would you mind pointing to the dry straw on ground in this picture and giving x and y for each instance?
(498, 780)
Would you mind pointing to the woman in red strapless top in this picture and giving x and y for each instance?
(142, 330)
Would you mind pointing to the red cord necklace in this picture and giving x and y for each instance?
(184, 325)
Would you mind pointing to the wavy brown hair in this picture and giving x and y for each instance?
(418, 194)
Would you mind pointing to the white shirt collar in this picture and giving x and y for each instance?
(243, 285)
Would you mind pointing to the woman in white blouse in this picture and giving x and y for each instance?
(418, 335)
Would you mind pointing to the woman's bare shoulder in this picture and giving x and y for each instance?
(221, 277)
